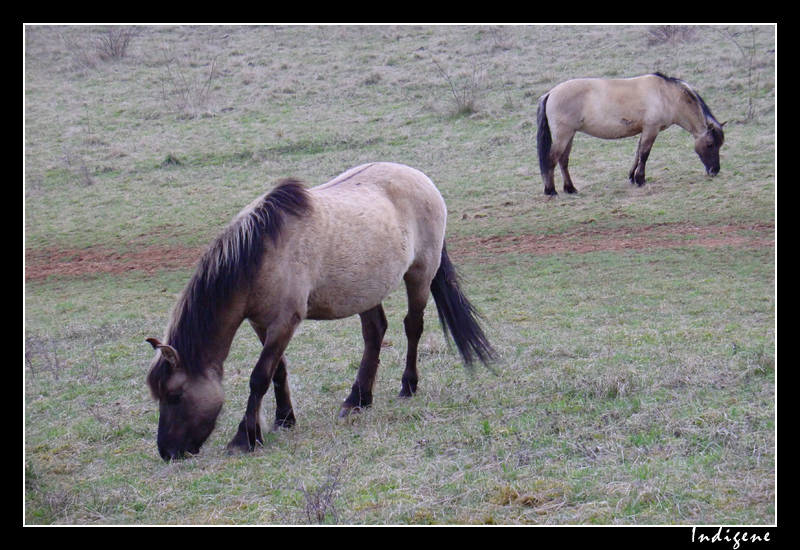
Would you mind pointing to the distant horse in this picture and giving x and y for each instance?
(619, 108)
(328, 252)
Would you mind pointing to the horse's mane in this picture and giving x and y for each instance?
(227, 264)
(706, 111)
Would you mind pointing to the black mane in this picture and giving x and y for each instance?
(706, 111)
(227, 264)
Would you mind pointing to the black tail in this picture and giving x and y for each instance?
(544, 140)
(458, 316)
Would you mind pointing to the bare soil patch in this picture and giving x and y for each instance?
(42, 263)
(644, 238)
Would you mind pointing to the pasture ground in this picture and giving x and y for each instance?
(636, 327)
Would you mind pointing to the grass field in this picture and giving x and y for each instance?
(636, 327)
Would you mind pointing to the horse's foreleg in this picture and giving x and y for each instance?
(373, 327)
(248, 435)
(270, 364)
(284, 411)
(636, 174)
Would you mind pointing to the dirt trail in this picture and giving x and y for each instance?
(41, 263)
(644, 238)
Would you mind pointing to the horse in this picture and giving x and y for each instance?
(296, 253)
(619, 108)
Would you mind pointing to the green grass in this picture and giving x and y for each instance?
(635, 385)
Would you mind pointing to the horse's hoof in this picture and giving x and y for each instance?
(350, 412)
(233, 449)
(407, 389)
(284, 422)
(347, 416)
(240, 444)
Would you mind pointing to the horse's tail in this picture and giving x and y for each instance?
(544, 140)
(458, 316)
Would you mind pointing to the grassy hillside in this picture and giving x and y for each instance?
(636, 326)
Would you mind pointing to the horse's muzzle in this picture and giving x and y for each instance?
(172, 454)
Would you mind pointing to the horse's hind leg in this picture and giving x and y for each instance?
(563, 163)
(549, 179)
(559, 155)
(414, 324)
(373, 327)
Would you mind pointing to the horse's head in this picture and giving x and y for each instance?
(707, 146)
(188, 404)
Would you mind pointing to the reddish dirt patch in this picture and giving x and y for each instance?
(644, 238)
(41, 263)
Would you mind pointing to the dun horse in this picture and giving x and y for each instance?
(621, 108)
(327, 252)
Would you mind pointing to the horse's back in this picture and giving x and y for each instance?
(384, 206)
(379, 197)
(368, 228)
(606, 108)
(401, 187)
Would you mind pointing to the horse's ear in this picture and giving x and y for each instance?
(169, 353)
(155, 342)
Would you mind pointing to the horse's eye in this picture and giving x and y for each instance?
(173, 398)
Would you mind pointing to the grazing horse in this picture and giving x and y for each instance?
(619, 108)
(328, 252)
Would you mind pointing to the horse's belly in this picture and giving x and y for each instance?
(346, 293)
(612, 127)
(359, 273)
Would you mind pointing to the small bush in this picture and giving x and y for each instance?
(113, 43)
(670, 34)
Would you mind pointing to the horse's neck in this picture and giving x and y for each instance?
(214, 347)
(694, 127)
(216, 350)
(690, 117)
